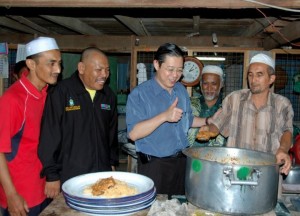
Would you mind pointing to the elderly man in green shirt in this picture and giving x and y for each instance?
(207, 104)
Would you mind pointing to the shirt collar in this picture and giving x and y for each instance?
(30, 88)
(158, 89)
(248, 94)
(79, 86)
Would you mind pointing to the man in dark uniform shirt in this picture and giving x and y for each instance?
(79, 127)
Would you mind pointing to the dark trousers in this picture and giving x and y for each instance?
(33, 211)
(168, 174)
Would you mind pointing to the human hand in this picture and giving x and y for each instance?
(283, 157)
(204, 128)
(204, 134)
(16, 205)
(174, 114)
(52, 189)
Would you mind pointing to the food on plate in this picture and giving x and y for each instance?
(205, 135)
(110, 188)
(102, 185)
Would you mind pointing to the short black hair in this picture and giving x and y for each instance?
(167, 49)
(18, 66)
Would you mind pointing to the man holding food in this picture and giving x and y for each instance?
(256, 118)
(158, 116)
(205, 106)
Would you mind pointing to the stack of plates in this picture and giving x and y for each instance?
(97, 205)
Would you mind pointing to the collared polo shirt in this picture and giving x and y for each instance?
(150, 99)
(21, 109)
(251, 128)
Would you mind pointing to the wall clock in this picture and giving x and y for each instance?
(191, 71)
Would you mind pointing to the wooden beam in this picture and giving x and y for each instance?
(287, 34)
(74, 24)
(32, 25)
(133, 66)
(1, 86)
(196, 23)
(12, 24)
(228, 4)
(134, 24)
(258, 26)
(122, 44)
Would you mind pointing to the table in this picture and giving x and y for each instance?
(59, 207)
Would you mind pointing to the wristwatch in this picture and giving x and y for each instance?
(206, 121)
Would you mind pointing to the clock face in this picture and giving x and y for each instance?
(191, 71)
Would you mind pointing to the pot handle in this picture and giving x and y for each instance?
(230, 179)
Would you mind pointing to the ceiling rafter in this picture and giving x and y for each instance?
(4, 21)
(134, 24)
(288, 33)
(74, 24)
(30, 24)
(258, 26)
(196, 23)
(228, 4)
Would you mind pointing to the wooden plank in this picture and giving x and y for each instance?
(258, 26)
(246, 64)
(73, 23)
(196, 24)
(286, 51)
(228, 4)
(32, 25)
(133, 72)
(288, 33)
(134, 24)
(122, 44)
(4, 21)
(1, 86)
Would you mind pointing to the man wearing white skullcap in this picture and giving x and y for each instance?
(257, 118)
(22, 190)
(39, 45)
(264, 59)
(207, 104)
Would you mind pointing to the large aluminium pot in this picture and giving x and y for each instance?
(231, 180)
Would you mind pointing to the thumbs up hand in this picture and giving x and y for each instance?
(174, 114)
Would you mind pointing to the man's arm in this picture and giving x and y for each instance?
(16, 204)
(198, 122)
(144, 128)
(50, 143)
(282, 155)
(113, 135)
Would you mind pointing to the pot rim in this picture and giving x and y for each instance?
(185, 152)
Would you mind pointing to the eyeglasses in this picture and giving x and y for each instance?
(172, 70)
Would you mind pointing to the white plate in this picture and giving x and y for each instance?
(74, 187)
(112, 212)
(110, 204)
(113, 209)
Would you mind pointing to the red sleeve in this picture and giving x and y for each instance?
(11, 120)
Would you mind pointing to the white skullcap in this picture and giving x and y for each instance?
(213, 69)
(263, 58)
(40, 44)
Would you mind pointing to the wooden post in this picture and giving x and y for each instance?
(189, 90)
(1, 86)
